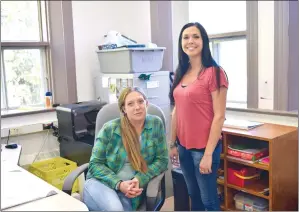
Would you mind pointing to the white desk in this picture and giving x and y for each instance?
(11, 155)
(58, 202)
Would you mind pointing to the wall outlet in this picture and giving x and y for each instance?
(47, 126)
(15, 131)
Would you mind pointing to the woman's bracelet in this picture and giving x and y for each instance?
(173, 144)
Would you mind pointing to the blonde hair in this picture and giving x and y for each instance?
(129, 135)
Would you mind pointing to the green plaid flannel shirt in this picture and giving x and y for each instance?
(109, 155)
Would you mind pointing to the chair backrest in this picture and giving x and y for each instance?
(111, 111)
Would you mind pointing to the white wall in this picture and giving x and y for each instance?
(180, 16)
(266, 54)
(93, 19)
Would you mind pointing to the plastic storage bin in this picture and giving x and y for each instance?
(54, 171)
(131, 60)
(249, 202)
(242, 176)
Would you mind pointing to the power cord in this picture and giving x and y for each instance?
(54, 128)
(55, 131)
(8, 136)
(10, 146)
(45, 139)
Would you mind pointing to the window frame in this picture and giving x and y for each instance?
(43, 45)
(283, 55)
(224, 37)
(60, 53)
(232, 36)
(251, 36)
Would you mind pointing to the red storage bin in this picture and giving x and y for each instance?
(242, 176)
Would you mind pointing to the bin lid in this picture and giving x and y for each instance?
(133, 75)
(131, 49)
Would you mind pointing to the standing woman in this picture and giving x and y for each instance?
(199, 92)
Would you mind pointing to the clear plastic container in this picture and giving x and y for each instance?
(48, 100)
(249, 202)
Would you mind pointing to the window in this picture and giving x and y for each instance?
(225, 23)
(232, 57)
(24, 53)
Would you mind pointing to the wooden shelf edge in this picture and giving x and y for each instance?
(219, 181)
(255, 165)
(231, 209)
(249, 191)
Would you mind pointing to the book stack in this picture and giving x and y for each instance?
(241, 124)
(264, 160)
(247, 154)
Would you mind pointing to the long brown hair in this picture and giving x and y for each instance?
(129, 135)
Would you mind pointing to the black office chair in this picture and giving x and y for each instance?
(155, 191)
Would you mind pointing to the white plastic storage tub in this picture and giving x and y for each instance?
(249, 202)
(131, 60)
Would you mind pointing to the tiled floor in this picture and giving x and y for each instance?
(168, 204)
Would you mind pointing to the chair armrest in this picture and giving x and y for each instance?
(152, 188)
(70, 179)
(155, 185)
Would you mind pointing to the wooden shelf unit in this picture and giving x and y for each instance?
(282, 176)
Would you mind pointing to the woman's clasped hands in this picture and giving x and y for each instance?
(130, 188)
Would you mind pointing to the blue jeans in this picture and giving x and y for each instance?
(99, 197)
(202, 188)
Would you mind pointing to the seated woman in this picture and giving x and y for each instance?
(128, 152)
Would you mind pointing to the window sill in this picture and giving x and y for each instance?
(26, 122)
(293, 114)
(236, 105)
(22, 112)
